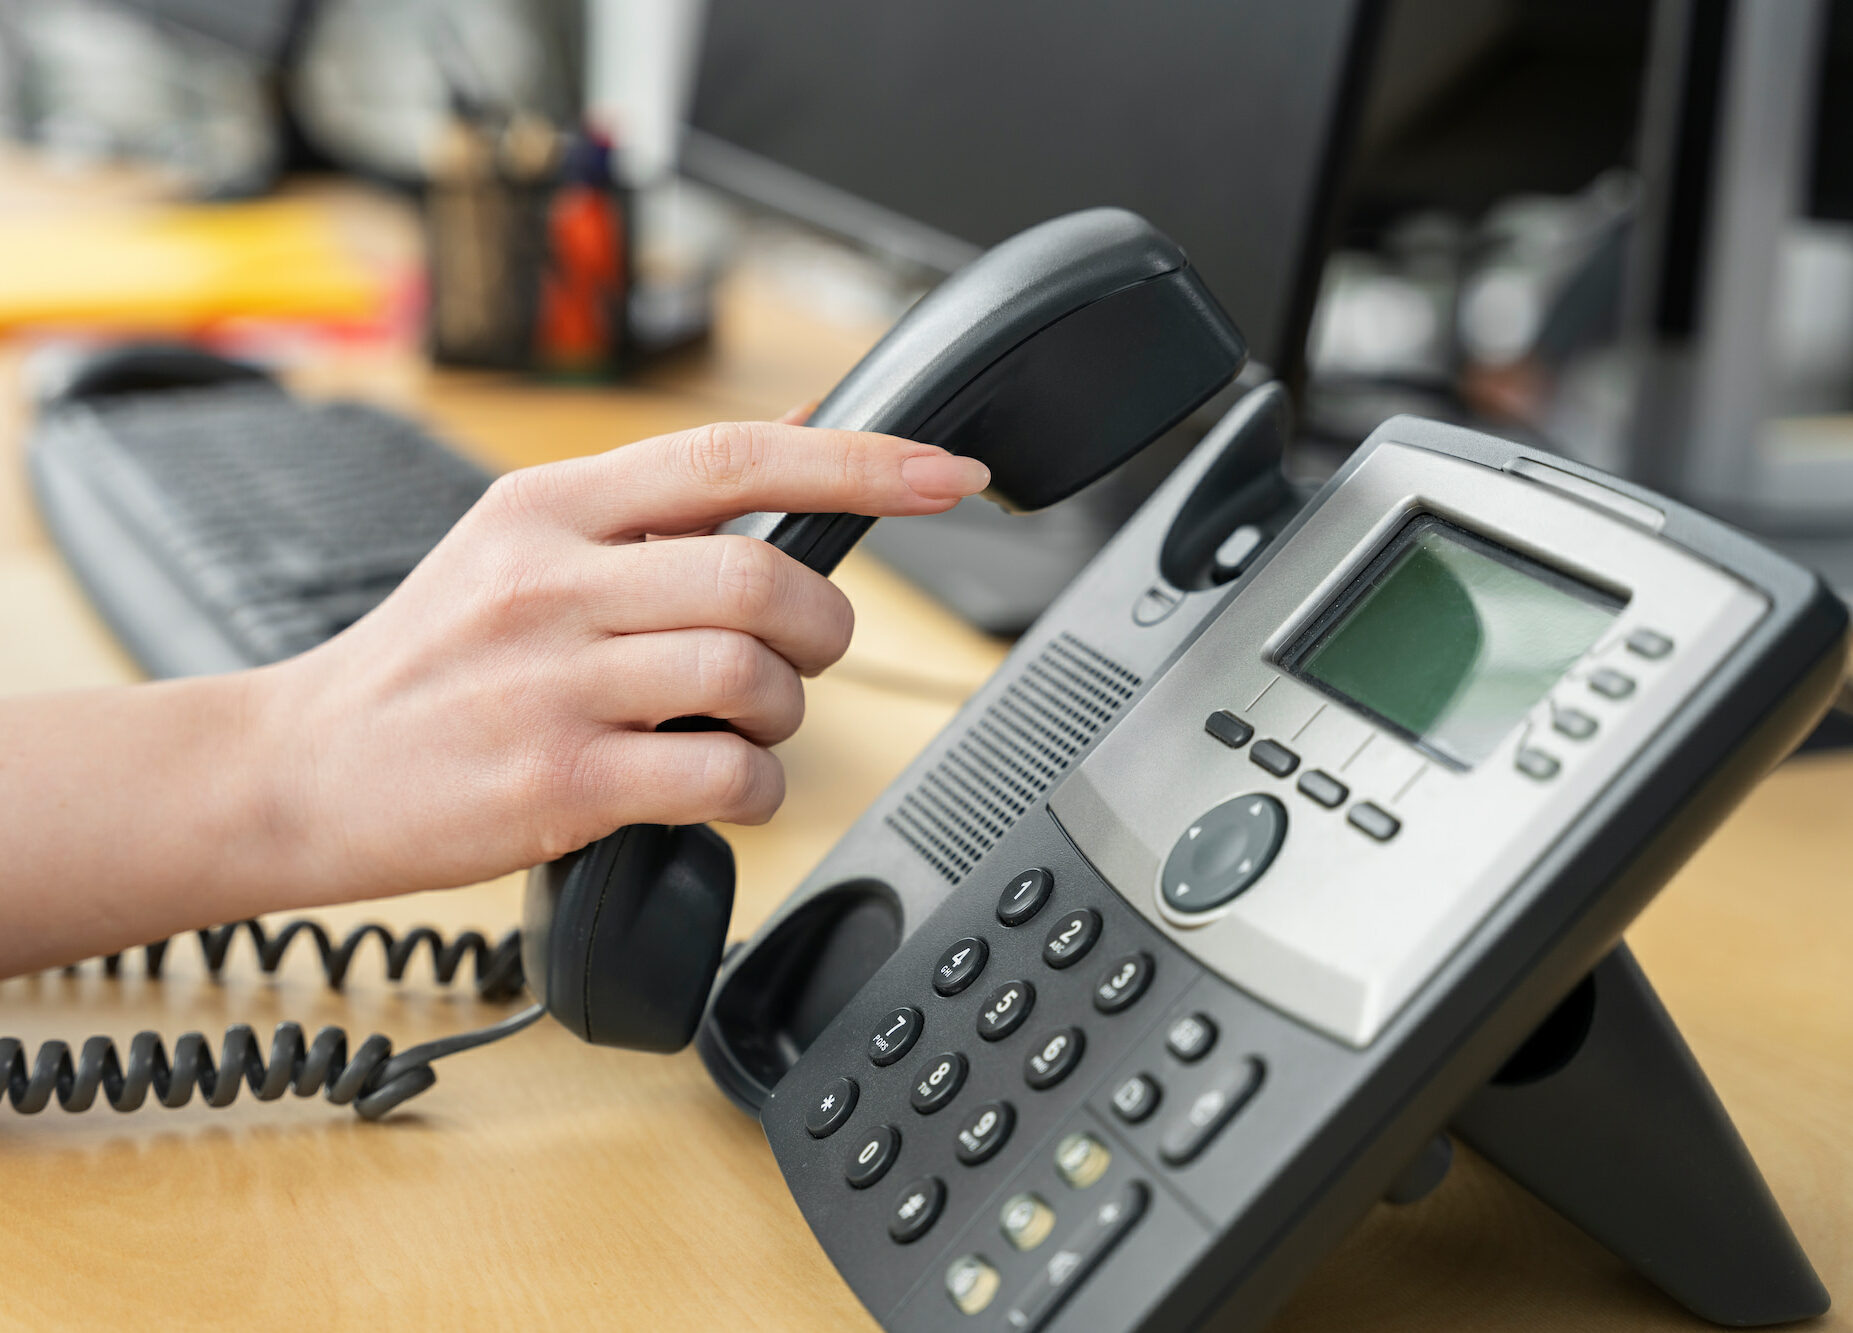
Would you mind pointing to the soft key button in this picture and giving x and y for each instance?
(1650, 644)
(1079, 1254)
(1223, 852)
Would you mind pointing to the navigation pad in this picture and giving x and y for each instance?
(1224, 852)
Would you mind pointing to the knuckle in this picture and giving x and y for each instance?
(519, 494)
(728, 666)
(732, 777)
(721, 456)
(746, 578)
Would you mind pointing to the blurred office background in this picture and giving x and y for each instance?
(1621, 227)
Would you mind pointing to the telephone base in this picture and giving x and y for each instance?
(1606, 1116)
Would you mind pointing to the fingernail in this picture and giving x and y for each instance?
(944, 476)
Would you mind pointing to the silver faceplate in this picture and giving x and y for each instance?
(1342, 930)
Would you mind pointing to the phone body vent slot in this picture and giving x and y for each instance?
(1007, 760)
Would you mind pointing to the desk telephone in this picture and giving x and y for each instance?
(1299, 832)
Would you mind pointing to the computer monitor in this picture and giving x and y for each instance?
(928, 131)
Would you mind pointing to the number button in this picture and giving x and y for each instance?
(937, 1082)
(1025, 896)
(1005, 1009)
(872, 1158)
(986, 1132)
(1124, 982)
(960, 965)
(831, 1107)
(917, 1208)
(1070, 938)
(1055, 1059)
(894, 1036)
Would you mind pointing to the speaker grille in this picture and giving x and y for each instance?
(1000, 768)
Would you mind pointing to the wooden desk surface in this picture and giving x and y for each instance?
(545, 1182)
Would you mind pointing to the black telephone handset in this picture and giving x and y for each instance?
(1052, 358)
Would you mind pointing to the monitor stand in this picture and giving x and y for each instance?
(1605, 1115)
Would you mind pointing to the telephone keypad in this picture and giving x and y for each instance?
(872, 1157)
(894, 1036)
(831, 1107)
(1124, 982)
(1071, 937)
(985, 1132)
(916, 1208)
(938, 1082)
(1191, 1037)
(1005, 1009)
(1025, 895)
(1204, 1116)
(960, 965)
(1053, 1058)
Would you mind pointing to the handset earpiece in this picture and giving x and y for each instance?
(1052, 358)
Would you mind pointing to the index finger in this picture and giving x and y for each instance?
(696, 478)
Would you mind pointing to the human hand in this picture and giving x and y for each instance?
(497, 710)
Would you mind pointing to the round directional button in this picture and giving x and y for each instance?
(1071, 937)
(894, 1036)
(870, 1159)
(960, 965)
(937, 1082)
(830, 1107)
(1024, 896)
(984, 1133)
(1005, 1009)
(1222, 853)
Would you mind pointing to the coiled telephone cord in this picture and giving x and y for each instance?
(372, 1080)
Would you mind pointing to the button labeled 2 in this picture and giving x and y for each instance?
(1071, 937)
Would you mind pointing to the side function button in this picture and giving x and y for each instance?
(1026, 1221)
(1228, 728)
(1578, 726)
(831, 1107)
(1136, 1098)
(1081, 1159)
(1207, 1113)
(895, 1036)
(1650, 644)
(1322, 787)
(870, 1160)
(1223, 853)
(1024, 896)
(1071, 937)
(1005, 1009)
(1055, 1059)
(1611, 684)
(986, 1132)
(1079, 1255)
(1374, 820)
(917, 1208)
(1124, 982)
(1191, 1037)
(972, 1283)
(1537, 764)
(960, 965)
(938, 1081)
(1274, 757)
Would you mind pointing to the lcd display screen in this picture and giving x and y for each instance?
(1451, 639)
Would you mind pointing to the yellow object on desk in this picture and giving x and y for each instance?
(181, 267)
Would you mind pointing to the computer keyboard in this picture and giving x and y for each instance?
(230, 525)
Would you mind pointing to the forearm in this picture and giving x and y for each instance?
(136, 812)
